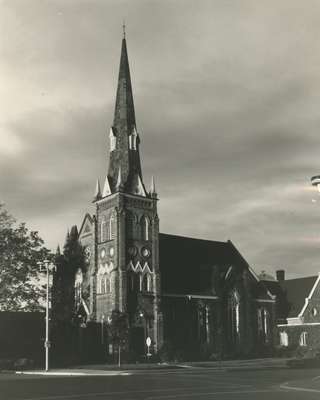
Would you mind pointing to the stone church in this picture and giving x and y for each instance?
(196, 295)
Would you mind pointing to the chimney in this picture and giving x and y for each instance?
(280, 274)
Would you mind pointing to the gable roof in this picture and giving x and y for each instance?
(190, 265)
(297, 290)
(86, 217)
(291, 295)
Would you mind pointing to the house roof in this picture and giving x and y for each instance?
(291, 295)
(190, 265)
(297, 290)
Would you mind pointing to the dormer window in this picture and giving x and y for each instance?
(113, 140)
(103, 232)
(133, 140)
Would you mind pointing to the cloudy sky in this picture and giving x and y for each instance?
(227, 96)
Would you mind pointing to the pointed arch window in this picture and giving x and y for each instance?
(303, 339)
(145, 283)
(145, 225)
(78, 286)
(111, 228)
(234, 317)
(149, 283)
(131, 225)
(103, 229)
(108, 285)
(102, 285)
(284, 341)
(263, 318)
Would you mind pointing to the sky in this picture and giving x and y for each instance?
(226, 96)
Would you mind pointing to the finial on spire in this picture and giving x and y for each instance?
(153, 191)
(124, 29)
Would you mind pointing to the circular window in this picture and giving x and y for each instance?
(314, 311)
(132, 251)
(87, 253)
(103, 253)
(145, 252)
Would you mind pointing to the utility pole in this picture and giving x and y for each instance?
(49, 267)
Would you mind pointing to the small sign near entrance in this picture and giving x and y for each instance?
(148, 343)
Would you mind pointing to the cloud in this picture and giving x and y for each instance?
(226, 96)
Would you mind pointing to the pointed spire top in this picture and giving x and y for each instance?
(58, 251)
(124, 115)
(97, 192)
(124, 29)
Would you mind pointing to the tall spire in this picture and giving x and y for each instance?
(124, 138)
(124, 116)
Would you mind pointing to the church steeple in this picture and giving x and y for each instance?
(124, 115)
(124, 139)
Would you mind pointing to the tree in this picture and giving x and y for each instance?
(68, 263)
(118, 331)
(21, 251)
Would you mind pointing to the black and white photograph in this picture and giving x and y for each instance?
(159, 199)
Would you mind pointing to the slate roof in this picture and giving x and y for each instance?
(296, 291)
(291, 295)
(188, 265)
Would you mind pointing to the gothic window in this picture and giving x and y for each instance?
(131, 225)
(103, 232)
(108, 285)
(133, 282)
(234, 317)
(149, 283)
(145, 226)
(111, 228)
(284, 339)
(207, 323)
(103, 285)
(145, 283)
(78, 286)
(303, 339)
(263, 324)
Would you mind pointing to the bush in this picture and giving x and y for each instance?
(166, 352)
(6, 364)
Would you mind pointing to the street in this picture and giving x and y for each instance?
(190, 383)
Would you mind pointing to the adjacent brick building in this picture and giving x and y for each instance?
(196, 295)
(297, 311)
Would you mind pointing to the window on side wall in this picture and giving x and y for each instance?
(303, 339)
(284, 341)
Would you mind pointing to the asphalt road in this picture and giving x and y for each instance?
(193, 383)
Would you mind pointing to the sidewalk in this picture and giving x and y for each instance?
(130, 369)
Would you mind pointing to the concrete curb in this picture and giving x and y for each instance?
(74, 373)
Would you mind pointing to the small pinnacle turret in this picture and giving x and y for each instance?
(106, 188)
(153, 191)
(97, 192)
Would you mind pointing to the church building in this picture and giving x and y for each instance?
(195, 296)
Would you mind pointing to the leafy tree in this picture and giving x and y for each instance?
(118, 331)
(68, 263)
(21, 251)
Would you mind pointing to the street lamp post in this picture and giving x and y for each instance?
(49, 267)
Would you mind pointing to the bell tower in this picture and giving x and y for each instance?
(127, 276)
